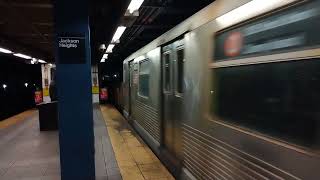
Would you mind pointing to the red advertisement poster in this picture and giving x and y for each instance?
(104, 94)
(233, 44)
(38, 97)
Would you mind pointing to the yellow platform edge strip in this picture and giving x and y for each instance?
(135, 160)
(16, 119)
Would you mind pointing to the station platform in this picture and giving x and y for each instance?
(134, 158)
(25, 152)
(28, 154)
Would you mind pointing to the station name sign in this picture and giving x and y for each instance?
(71, 49)
(68, 43)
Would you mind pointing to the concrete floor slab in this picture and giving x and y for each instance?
(25, 152)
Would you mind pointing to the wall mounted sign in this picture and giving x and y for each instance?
(38, 98)
(71, 49)
(104, 94)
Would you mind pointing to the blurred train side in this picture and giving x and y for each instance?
(180, 126)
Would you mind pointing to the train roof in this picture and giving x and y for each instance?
(207, 14)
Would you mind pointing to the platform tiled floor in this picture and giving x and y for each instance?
(25, 152)
(105, 161)
(134, 158)
(28, 154)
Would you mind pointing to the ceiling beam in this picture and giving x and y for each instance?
(28, 34)
(22, 47)
(150, 26)
(170, 10)
(152, 6)
(155, 4)
(34, 23)
(22, 18)
(177, 11)
(43, 23)
(29, 5)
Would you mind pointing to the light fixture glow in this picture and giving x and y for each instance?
(26, 84)
(250, 9)
(34, 61)
(4, 86)
(103, 60)
(105, 56)
(5, 51)
(50, 64)
(120, 30)
(42, 61)
(103, 47)
(22, 56)
(134, 5)
(110, 47)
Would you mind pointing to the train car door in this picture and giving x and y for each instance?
(173, 80)
(178, 82)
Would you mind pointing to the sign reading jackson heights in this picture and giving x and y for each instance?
(68, 43)
(71, 49)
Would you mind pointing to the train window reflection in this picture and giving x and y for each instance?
(131, 71)
(144, 74)
(166, 71)
(180, 68)
(124, 75)
(278, 99)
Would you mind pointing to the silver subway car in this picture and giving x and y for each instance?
(233, 92)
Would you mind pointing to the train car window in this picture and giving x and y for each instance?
(144, 75)
(278, 99)
(167, 64)
(180, 70)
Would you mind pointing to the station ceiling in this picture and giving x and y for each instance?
(155, 18)
(26, 26)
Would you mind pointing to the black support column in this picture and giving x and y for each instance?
(72, 51)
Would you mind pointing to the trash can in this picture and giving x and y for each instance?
(48, 116)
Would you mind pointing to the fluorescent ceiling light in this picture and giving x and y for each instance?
(103, 46)
(105, 56)
(250, 9)
(22, 56)
(120, 30)
(42, 61)
(5, 51)
(110, 47)
(34, 61)
(134, 5)
(103, 60)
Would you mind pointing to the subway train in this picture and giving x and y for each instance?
(232, 92)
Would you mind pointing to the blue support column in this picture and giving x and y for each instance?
(73, 59)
